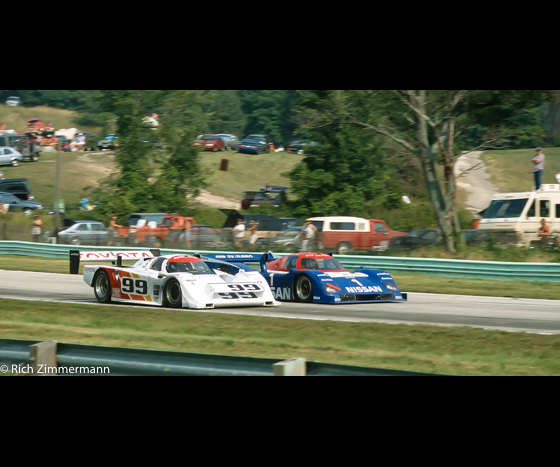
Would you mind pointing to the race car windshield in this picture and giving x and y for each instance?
(323, 264)
(198, 267)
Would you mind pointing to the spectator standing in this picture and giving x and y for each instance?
(253, 235)
(239, 233)
(113, 230)
(309, 232)
(79, 143)
(36, 228)
(84, 203)
(538, 167)
(186, 234)
(2, 126)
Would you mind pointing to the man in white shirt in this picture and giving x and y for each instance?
(309, 231)
(239, 233)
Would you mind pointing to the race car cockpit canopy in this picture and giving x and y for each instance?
(188, 264)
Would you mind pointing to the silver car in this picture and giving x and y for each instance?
(10, 156)
(85, 233)
(231, 141)
(288, 240)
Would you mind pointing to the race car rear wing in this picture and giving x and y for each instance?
(116, 257)
(261, 258)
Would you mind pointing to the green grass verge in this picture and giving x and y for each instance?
(429, 349)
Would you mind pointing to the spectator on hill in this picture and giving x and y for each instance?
(538, 167)
(79, 143)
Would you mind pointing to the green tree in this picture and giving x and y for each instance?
(340, 175)
(151, 179)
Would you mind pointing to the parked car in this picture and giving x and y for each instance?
(109, 142)
(18, 187)
(231, 141)
(210, 143)
(91, 142)
(416, 238)
(28, 147)
(9, 156)
(13, 101)
(85, 233)
(275, 195)
(17, 204)
(254, 144)
(299, 145)
(288, 240)
(205, 237)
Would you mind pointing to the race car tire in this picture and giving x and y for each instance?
(303, 289)
(102, 287)
(172, 295)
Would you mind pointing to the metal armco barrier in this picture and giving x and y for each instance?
(546, 272)
(89, 360)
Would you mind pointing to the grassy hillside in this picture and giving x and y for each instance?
(16, 118)
(512, 170)
(246, 172)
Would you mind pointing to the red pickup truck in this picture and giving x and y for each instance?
(344, 234)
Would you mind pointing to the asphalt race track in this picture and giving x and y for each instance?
(506, 314)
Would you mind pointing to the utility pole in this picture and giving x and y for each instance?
(57, 200)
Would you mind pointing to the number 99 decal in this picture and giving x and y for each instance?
(241, 291)
(137, 286)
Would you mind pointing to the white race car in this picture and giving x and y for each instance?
(177, 281)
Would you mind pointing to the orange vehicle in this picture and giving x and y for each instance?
(150, 234)
(344, 234)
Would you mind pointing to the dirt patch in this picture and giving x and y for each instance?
(214, 201)
(473, 181)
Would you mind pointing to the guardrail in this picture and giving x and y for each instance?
(546, 272)
(59, 358)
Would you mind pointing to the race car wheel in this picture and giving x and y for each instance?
(102, 287)
(173, 296)
(303, 290)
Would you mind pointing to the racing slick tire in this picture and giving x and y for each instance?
(102, 287)
(172, 295)
(303, 289)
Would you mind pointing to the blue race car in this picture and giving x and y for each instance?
(320, 278)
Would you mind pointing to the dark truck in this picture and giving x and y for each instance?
(29, 147)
